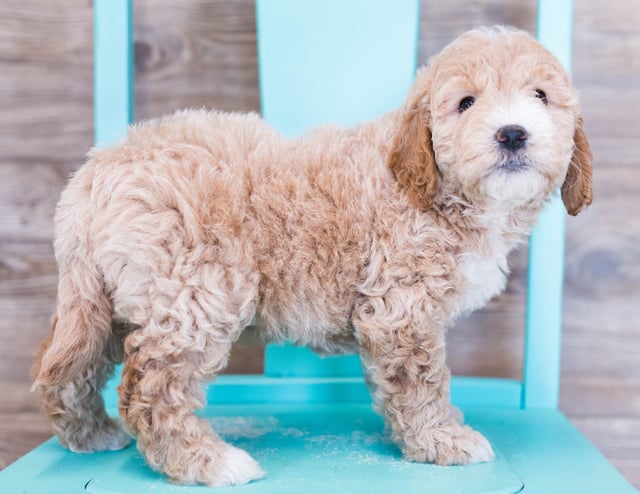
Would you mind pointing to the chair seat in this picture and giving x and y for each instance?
(342, 448)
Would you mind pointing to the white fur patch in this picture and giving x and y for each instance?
(485, 279)
(483, 451)
(237, 468)
(485, 270)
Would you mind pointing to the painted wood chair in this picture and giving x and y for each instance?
(309, 420)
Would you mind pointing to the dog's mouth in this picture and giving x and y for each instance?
(514, 164)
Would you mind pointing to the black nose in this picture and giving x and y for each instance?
(511, 137)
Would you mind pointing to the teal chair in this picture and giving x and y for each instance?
(309, 420)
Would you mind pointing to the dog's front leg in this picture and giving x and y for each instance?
(403, 352)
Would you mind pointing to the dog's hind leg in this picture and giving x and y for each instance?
(76, 408)
(187, 339)
(75, 361)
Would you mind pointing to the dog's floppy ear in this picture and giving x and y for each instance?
(577, 189)
(412, 159)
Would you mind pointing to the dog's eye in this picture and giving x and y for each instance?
(541, 95)
(466, 103)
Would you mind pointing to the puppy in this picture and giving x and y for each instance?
(371, 239)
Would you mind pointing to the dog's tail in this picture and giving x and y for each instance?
(81, 329)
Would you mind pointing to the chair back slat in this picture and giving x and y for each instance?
(541, 377)
(113, 70)
(331, 61)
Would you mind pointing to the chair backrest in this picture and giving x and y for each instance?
(326, 61)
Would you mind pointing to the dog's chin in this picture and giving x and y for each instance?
(513, 182)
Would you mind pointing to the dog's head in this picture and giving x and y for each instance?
(495, 118)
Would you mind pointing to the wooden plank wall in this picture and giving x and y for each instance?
(202, 53)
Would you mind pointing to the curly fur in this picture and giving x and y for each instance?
(370, 239)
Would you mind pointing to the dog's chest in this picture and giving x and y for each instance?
(484, 274)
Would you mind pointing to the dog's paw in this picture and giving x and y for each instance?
(451, 444)
(236, 468)
(106, 436)
(475, 448)
(218, 465)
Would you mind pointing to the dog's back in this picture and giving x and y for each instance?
(288, 223)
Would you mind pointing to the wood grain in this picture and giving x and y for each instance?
(197, 53)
